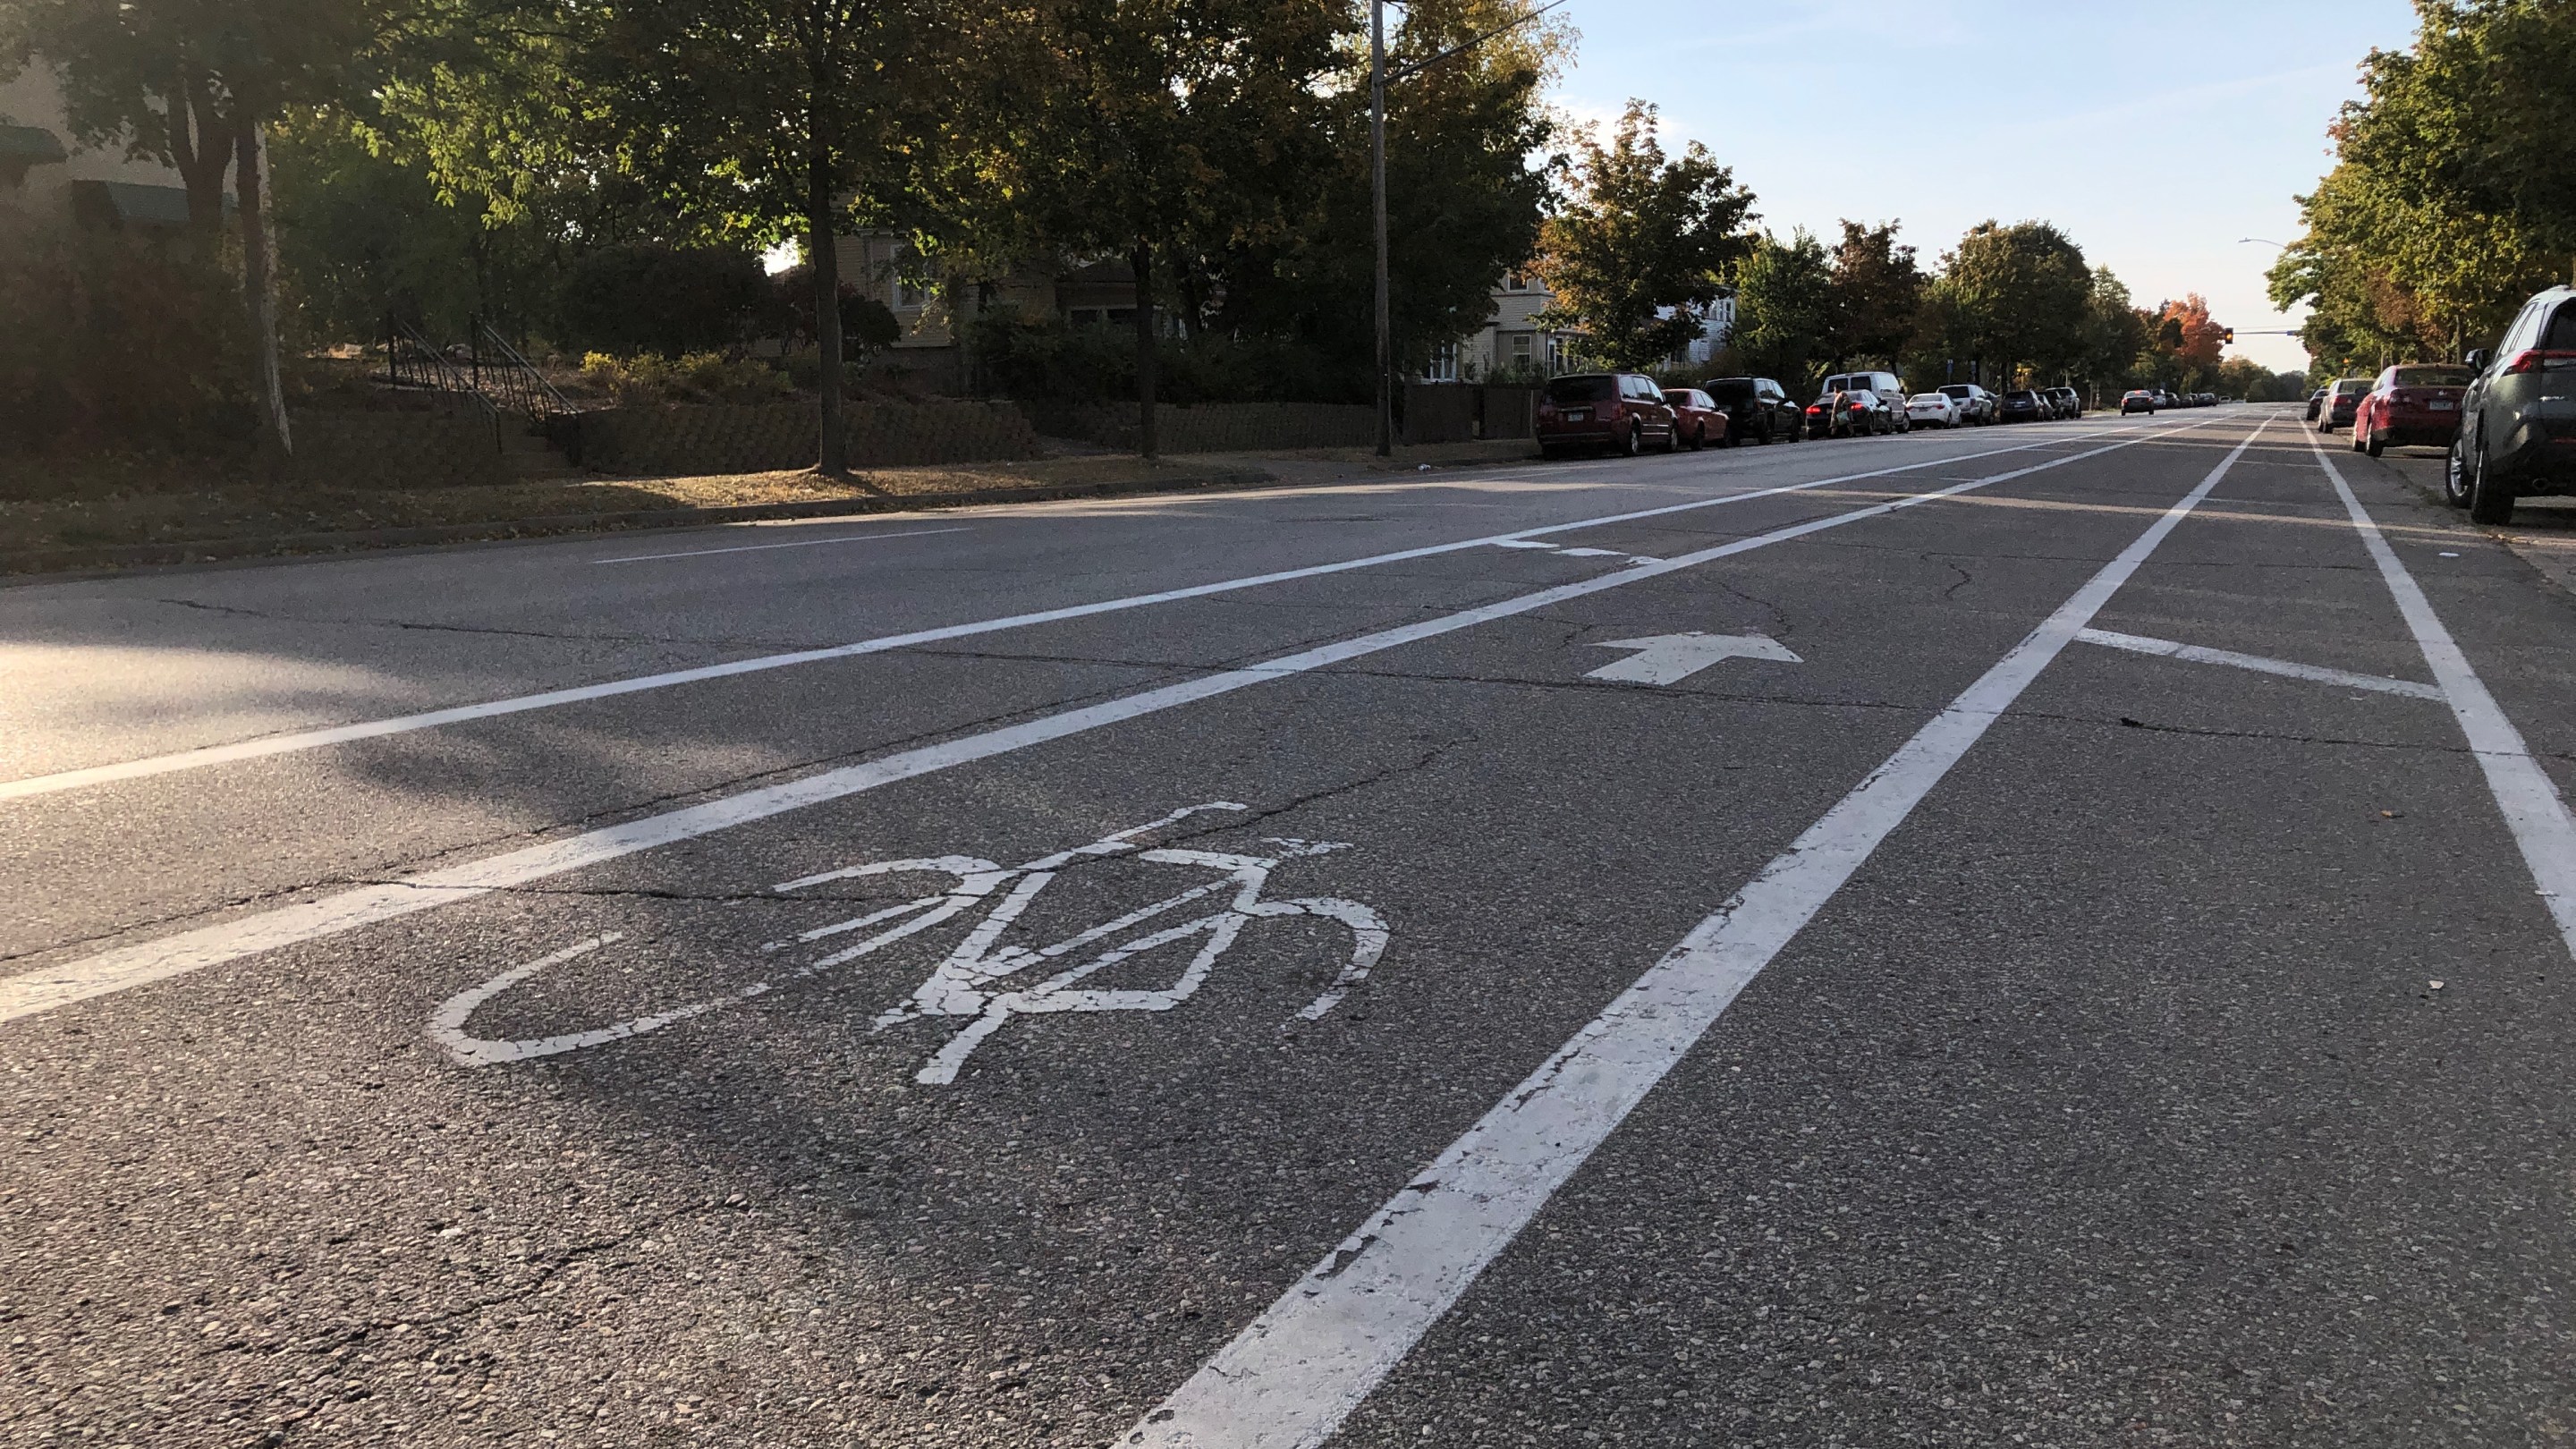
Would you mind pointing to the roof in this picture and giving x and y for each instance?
(129, 203)
(31, 146)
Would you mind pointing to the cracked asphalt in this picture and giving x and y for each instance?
(2184, 1068)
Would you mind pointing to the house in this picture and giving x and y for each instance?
(934, 317)
(1514, 344)
(45, 176)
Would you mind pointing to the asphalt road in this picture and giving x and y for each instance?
(2053, 935)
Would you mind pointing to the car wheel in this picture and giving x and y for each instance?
(2490, 497)
(1635, 442)
(2455, 473)
(1672, 438)
(2359, 441)
(1699, 437)
(2377, 445)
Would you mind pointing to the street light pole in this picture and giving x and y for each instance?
(1377, 203)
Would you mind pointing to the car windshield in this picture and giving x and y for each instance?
(1733, 389)
(2019, 396)
(2351, 387)
(1579, 390)
(1961, 393)
(2432, 377)
(1928, 399)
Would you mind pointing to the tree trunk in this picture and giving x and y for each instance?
(199, 144)
(1140, 262)
(259, 286)
(834, 459)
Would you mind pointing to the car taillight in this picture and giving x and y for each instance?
(2534, 359)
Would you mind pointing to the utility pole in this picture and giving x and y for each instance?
(1377, 204)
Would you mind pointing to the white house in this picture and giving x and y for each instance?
(1513, 344)
(42, 171)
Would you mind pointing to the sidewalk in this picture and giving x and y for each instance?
(118, 523)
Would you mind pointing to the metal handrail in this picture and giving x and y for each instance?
(411, 362)
(513, 384)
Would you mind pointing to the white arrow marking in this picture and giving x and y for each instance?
(1672, 658)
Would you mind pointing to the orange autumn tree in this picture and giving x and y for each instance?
(2185, 331)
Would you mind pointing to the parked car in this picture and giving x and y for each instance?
(1756, 407)
(2065, 402)
(2518, 418)
(1882, 386)
(2315, 400)
(1851, 413)
(2414, 403)
(1976, 405)
(2342, 400)
(1617, 410)
(1932, 410)
(2021, 405)
(2137, 400)
(1696, 417)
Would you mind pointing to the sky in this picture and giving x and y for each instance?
(2153, 135)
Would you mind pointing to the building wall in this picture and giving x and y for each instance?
(35, 98)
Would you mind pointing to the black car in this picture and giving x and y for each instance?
(2316, 400)
(2518, 419)
(2064, 402)
(2021, 405)
(1756, 408)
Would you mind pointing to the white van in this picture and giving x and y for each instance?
(1882, 383)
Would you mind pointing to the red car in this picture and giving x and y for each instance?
(2415, 403)
(1697, 417)
(1623, 411)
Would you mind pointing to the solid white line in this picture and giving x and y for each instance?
(404, 724)
(1289, 1379)
(2174, 649)
(155, 960)
(2532, 808)
(797, 543)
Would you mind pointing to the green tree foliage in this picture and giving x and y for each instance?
(2453, 196)
(667, 300)
(2018, 297)
(1463, 203)
(1874, 295)
(1783, 307)
(2115, 332)
(1643, 245)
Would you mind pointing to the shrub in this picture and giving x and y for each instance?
(695, 377)
(644, 297)
(1048, 361)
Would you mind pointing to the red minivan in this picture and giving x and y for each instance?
(1624, 411)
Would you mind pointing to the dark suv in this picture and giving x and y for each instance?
(1756, 407)
(2342, 400)
(2518, 419)
(1623, 411)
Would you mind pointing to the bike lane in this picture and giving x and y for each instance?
(2182, 1073)
(1095, 1195)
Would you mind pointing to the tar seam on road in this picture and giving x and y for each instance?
(404, 724)
(2532, 808)
(1290, 1378)
(2286, 668)
(795, 543)
(124, 967)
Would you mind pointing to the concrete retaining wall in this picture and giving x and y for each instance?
(408, 448)
(1222, 427)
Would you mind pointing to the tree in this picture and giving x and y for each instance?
(2194, 339)
(2115, 331)
(1783, 306)
(1644, 244)
(1159, 132)
(2018, 296)
(758, 121)
(1874, 295)
(185, 80)
(1463, 202)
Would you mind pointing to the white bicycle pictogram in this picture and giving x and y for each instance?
(973, 981)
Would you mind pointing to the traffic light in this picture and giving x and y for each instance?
(2227, 334)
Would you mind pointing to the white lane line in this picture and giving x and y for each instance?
(796, 543)
(2287, 669)
(1289, 1379)
(431, 719)
(2533, 809)
(129, 966)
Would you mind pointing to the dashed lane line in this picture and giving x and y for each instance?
(1289, 1378)
(315, 739)
(125, 967)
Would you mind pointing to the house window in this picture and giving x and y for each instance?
(1122, 316)
(911, 291)
(1443, 366)
(1515, 283)
(1520, 349)
(1559, 356)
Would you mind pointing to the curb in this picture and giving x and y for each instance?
(51, 563)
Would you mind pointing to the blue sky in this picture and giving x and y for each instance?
(2155, 135)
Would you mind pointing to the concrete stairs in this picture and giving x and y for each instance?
(528, 456)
